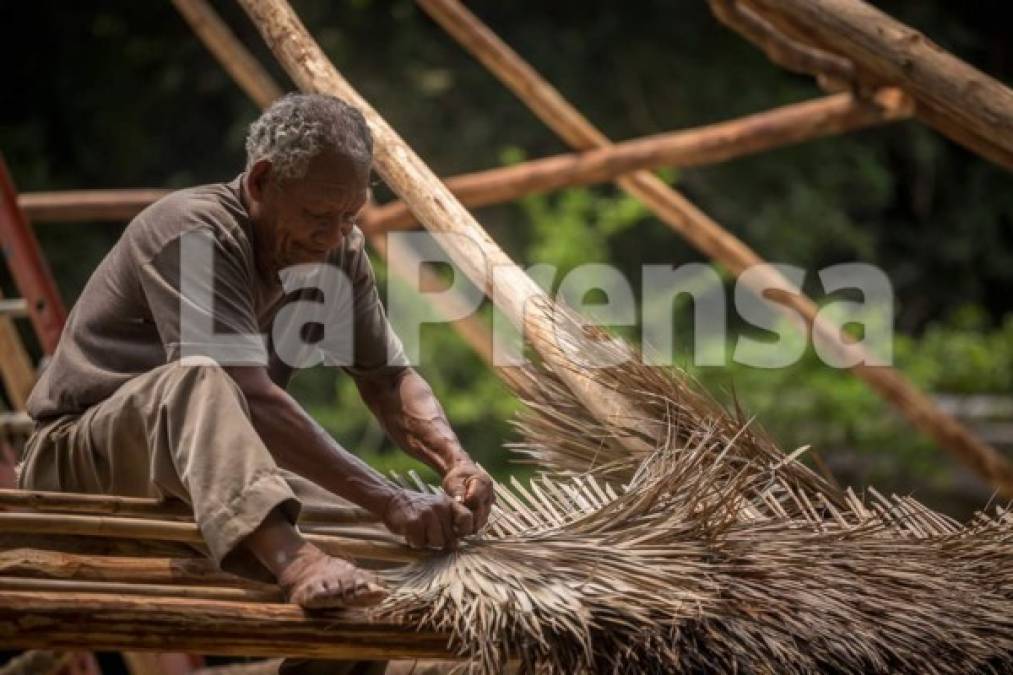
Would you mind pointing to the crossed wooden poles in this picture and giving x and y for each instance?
(597, 160)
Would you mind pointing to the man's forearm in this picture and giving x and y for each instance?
(300, 444)
(413, 418)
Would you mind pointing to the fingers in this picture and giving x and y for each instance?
(436, 536)
(464, 520)
(439, 524)
(482, 513)
(479, 497)
(455, 485)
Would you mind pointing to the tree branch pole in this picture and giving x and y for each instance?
(179, 531)
(713, 240)
(230, 52)
(699, 146)
(94, 504)
(76, 205)
(471, 248)
(103, 621)
(957, 99)
(39, 564)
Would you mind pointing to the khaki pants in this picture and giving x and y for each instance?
(182, 430)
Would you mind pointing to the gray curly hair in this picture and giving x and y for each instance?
(297, 127)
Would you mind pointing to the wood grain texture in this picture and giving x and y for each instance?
(36, 619)
(957, 99)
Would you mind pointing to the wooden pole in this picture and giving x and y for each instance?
(69, 502)
(42, 619)
(471, 248)
(699, 146)
(15, 364)
(74, 205)
(173, 590)
(41, 564)
(230, 52)
(957, 99)
(173, 530)
(710, 238)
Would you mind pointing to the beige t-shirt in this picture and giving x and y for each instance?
(142, 309)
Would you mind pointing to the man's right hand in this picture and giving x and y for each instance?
(427, 521)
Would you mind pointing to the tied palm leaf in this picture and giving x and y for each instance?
(712, 552)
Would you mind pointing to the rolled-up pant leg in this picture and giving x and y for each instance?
(182, 430)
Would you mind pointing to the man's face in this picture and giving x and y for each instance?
(304, 219)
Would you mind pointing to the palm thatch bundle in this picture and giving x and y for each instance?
(711, 551)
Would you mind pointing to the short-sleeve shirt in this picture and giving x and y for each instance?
(183, 281)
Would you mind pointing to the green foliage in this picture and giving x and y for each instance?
(831, 410)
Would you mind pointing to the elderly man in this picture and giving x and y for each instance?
(169, 379)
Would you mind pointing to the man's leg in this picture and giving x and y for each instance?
(183, 431)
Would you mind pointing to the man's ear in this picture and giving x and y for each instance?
(257, 178)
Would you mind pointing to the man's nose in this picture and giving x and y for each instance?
(330, 237)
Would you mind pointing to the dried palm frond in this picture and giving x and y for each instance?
(714, 552)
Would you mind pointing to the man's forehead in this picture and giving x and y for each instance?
(333, 194)
(334, 180)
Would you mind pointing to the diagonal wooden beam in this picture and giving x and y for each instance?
(230, 52)
(471, 248)
(710, 238)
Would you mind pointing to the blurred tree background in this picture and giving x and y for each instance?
(118, 93)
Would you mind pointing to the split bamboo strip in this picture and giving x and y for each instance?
(960, 101)
(241, 65)
(713, 240)
(171, 530)
(67, 502)
(471, 248)
(698, 146)
(36, 619)
(69, 586)
(73, 205)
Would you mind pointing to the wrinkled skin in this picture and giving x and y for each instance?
(303, 220)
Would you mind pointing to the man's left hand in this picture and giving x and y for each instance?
(469, 484)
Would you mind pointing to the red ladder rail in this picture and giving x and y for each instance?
(29, 267)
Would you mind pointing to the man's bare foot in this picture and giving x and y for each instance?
(315, 580)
